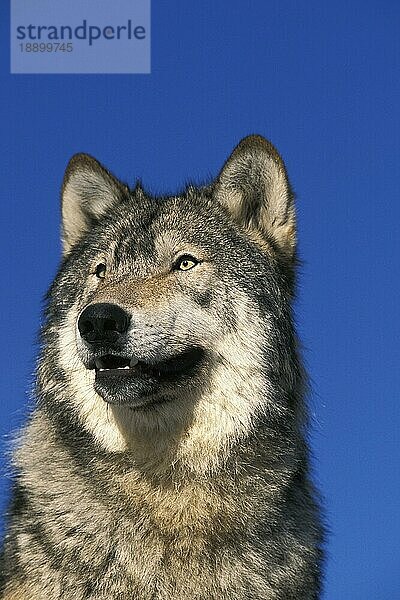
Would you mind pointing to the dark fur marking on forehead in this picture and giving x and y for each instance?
(133, 228)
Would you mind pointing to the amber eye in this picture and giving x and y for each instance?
(100, 271)
(186, 262)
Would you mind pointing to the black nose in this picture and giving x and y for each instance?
(103, 323)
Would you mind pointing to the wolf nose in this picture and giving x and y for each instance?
(103, 323)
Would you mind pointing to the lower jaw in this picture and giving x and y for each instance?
(127, 392)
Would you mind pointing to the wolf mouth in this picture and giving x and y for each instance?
(124, 366)
(109, 364)
(127, 380)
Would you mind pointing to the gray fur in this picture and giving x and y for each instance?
(196, 487)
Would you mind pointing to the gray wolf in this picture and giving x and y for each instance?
(167, 457)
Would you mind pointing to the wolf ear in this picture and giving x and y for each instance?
(254, 187)
(88, 192)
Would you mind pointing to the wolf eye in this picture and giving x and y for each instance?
(186, 262)
(100, 271)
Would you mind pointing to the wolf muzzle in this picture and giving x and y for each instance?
(121, 377)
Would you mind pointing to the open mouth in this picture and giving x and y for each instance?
(109, 365)
(125, 380)
(113, 364)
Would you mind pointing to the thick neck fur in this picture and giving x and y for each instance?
(163, 490)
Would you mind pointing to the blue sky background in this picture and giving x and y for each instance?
(321, 80)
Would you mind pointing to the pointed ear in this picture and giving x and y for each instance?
(88, 192)
(254, 187)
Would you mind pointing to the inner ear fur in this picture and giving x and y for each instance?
(89, 192)
(253, 186)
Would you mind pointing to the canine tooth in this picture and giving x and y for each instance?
(99, 364)
(134, 361)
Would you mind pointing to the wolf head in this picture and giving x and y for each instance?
(169, 321)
